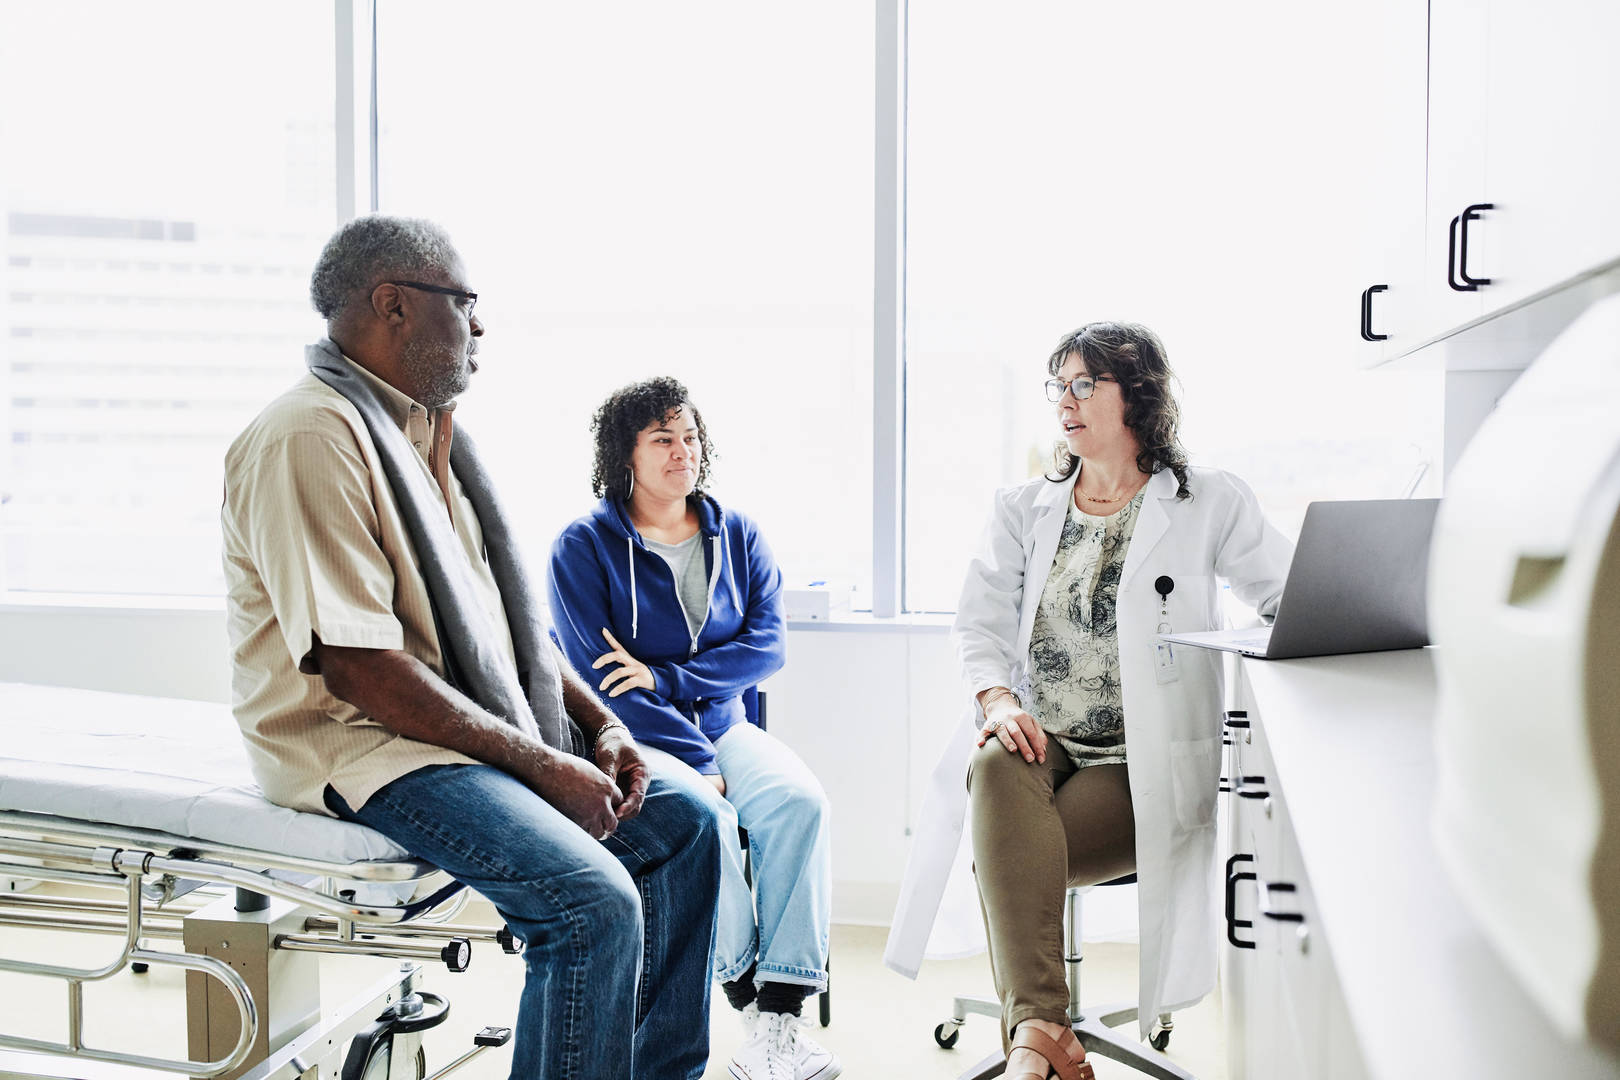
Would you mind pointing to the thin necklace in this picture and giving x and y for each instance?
(1094, 499)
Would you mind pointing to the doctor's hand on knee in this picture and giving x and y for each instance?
(1006, 721)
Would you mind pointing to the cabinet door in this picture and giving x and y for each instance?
(1553, 146)
(1392, 152)
(1304, 973)
(1457, 132)
(1236, 963)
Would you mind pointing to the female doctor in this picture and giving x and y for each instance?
(1088, 747)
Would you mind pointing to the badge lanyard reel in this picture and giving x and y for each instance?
(1164, 653)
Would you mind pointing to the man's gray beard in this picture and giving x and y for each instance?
(439, 375)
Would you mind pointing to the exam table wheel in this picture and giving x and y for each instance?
(372, 1051)
(1160, 1040)
(378, 1060)
(947, 1033)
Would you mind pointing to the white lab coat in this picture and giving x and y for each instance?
(1172, 730)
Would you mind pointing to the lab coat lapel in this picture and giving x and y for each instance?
(1151, 522)
(1048, 512)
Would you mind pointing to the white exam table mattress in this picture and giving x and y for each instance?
(164, 764)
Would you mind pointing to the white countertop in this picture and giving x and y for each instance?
(1352, 747)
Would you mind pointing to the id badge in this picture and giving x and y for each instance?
(1164, 663)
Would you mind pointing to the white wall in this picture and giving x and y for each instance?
(866, 706)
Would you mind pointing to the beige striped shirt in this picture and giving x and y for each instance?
(315, 544)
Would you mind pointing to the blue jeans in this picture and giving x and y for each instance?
(619, 932)
(782, 923)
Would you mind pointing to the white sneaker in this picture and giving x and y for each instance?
(750, 1019)
(763, 1056)
(779, 1049)
(811, 1060)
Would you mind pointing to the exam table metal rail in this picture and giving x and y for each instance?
(237, 1026)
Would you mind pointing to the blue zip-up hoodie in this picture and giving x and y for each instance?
(603, 575)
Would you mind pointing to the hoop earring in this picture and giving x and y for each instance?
(630, 489)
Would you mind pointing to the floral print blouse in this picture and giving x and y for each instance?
(1074, 649)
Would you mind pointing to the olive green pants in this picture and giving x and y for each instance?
(1037, 829)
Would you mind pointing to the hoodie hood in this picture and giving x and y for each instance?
(612, 515)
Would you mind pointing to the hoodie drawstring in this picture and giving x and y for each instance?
(635, 611)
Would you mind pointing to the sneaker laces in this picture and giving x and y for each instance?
(782, 1037)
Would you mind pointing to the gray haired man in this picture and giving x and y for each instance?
(391, 666)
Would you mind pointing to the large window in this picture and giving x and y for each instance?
(168, 186)
(648, 188)
(1184, 166)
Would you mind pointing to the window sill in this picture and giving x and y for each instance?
(45, 603)
(859, 622)
(48, 603)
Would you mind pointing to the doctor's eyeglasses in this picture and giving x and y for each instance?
(1081, 386)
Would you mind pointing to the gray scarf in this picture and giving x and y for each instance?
(529, 698)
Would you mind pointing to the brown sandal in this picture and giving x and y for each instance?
(1059, 1053)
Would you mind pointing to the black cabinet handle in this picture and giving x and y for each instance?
(1264, 900)
(1366, 313)
(1451, 259)
(1457, 250)
(1470, 214)
(1240, 787)
(1232, 921)
(1238, 718)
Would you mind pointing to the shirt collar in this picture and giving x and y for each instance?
(400, 405)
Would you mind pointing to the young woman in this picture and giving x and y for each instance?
(672, 605)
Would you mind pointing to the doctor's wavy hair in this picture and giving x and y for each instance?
(1133, 355)
(623, 416)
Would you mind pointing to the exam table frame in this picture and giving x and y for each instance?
(253, 1013)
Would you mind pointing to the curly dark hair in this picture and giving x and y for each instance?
(1135, 356)
(623, 416)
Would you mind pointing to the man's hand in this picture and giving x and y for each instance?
(621, 762)
(583, 792)
(631, 674)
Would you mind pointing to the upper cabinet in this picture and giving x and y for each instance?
(1454, 236)
(1520, 192)
(1552, 148)
(1392, 157)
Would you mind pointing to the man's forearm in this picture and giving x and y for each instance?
(409, 698)
(581, 701)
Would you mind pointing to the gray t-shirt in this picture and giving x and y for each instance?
(685, 560)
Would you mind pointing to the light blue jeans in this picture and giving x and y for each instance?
(782, 924)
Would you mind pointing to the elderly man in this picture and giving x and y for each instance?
(391, 666)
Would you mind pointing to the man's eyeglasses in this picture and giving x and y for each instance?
(1081, 386)
(470, 297)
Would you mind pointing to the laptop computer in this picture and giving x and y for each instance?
(1356, 584)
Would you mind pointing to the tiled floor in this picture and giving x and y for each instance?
(882, 1023)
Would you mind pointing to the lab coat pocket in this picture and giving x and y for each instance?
(1191, 605)
(1195, 769)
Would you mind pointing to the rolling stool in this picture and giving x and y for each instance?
(754, 710)
(1094, 1027)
